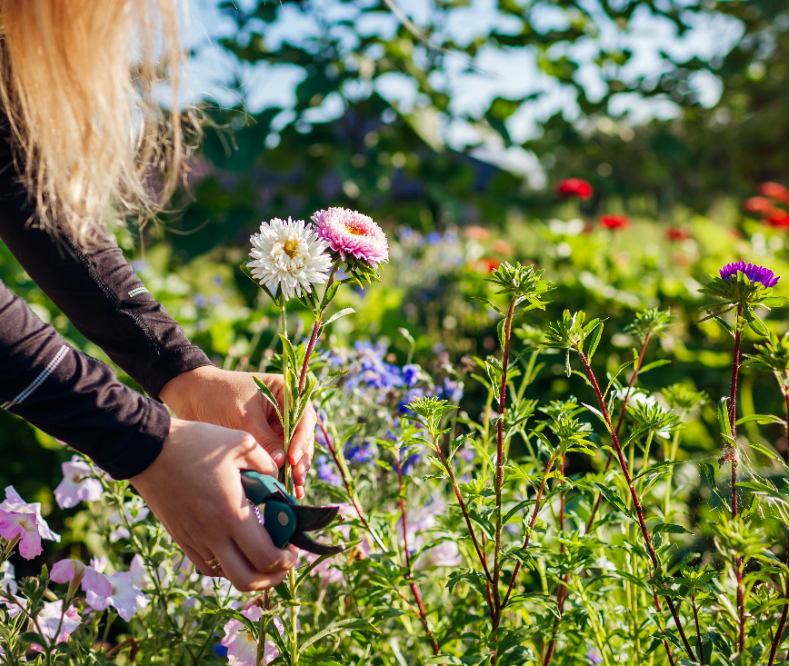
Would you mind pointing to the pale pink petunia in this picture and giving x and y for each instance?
(7, 579)
(136, 512)
(351, 233)
(126, 598)
(90, 580)
(49, 621)
(14, 503)
(22, 526)
(78, 484)
(14, 607)
(445, 554)
(241, 644)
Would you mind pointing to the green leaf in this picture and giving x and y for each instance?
(612, 498)
(445, 659)
(669, 528)
(723, 419)
(268, 395)
(353, 624)
(34, 638)
(758, 327)
(594, 340)
(338, 315)
(653, 365)
(761, 418)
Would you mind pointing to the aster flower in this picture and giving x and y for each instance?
(574, 187)
(753, 272)
(327, 472)
(66, 571)
(242, 646)
(352, 234)
(78, 484)
(289, 256)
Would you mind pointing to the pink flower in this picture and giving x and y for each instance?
(351, 233)
(125, 597)
(49, 620)
(135, 511)
(91, 580)
(241, 644)
(445, 554)
(14, 503)
(15, 607)
(78, 484)
(23, 526)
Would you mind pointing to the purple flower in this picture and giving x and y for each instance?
(126, 598)
(410, 462)
(358, 453)
(451, 391)
(410, 374)
(241, 646)
(593, 654)
(408, 398)
(326, 471)
(434, 238)
(200, 300)
(351, 233)
(752, 272)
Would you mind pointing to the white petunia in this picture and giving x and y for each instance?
(289, 255)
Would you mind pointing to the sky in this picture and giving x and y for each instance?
(510, 73)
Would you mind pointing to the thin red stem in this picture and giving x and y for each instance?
(698, 629)
(590, 522)
(412, 584)
(533, 520)
(561, 589)
(500, 459)
(315, 328)
(634, 496)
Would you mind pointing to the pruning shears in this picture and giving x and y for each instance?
(286, 521)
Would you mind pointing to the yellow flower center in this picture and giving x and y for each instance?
(250, 638)
(290, 247)
(356, 229)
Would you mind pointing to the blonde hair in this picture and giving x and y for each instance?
(77, 86)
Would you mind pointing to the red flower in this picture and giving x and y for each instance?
(615, 221)
(757, 205)
(490, 264)
(777, 218)
(774, 190)
(677, 234)
(574, 187)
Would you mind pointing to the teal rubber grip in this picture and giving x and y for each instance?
(280, 522)
(259, 487)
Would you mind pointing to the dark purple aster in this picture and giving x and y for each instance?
(326, 471)
(752, 272)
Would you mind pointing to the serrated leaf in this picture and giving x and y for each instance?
(669, 528)
(269, 395)
(595, 336)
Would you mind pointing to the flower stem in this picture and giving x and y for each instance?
(590, 522)
(346, 479)
(698, 628)
(500, 460)
(636, 501)
(782, 622)
(535, 511)
(412, 583)
(464, 511)
(732, 420)
(561, 589)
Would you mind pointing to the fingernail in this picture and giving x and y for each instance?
(279, 458)
(296, 456)
(299, 492)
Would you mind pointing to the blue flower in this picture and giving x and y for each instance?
(217, 280)
(139, 265)
(200, 300)
(451, 391)
(358, 453)
(410, 462)
(408, 398)
(434, 238)
(220, 650)
(410, 374)
(327, 472)
(753, 272)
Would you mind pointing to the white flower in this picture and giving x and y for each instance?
(78, 484)
(7, 580)
(289, 255)
(135, 510)
(55, 624)
(126, 597)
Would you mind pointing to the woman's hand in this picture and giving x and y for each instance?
(194, 488)
(233, 400)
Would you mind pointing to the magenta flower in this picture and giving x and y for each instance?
(91, 580)
(15, 504)
(351, 233)
(125, 597)
(753, 272)
(78, 484)
(241, 645)
(49, 620)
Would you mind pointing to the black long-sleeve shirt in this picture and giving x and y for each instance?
(61, 390)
